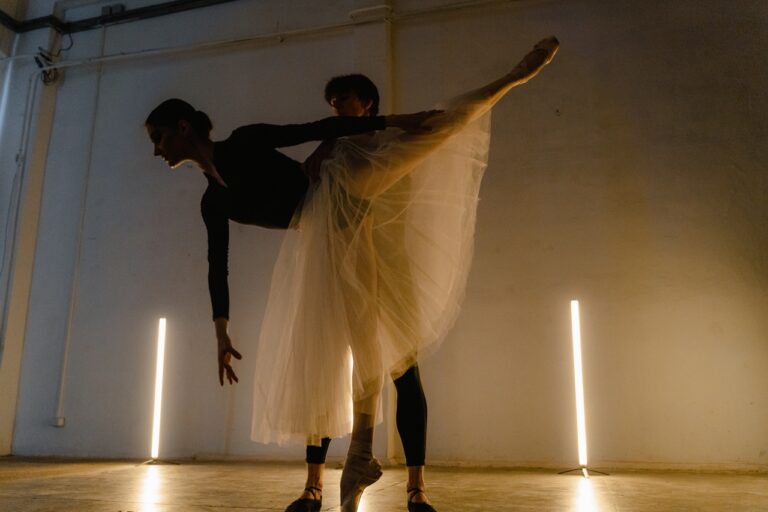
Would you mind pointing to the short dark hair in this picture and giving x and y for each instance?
(359, 84)
(171, 111)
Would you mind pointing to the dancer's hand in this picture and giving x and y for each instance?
(225, 351)
(412, 123)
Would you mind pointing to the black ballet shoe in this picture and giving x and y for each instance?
(307, 504)
(418, 507)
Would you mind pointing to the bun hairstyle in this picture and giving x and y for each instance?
(359, 84)
(170, 112)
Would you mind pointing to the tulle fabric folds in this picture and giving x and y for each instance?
(373, 275)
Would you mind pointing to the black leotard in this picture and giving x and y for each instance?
(264, 187)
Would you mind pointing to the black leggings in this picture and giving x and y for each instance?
(411, 421)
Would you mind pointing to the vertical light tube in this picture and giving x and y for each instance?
(581, 426)
(158, 389)
(351, 383)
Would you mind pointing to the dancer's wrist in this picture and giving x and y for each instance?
(221, 324)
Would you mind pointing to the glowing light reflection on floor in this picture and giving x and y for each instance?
(585, 497)
(150, 490)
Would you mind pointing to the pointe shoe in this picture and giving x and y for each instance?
(550, 45)
(307, 504)
(357, 474)
(541, 55)
(418, 507)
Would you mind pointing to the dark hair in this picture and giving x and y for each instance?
(359, 84)
(170, 112)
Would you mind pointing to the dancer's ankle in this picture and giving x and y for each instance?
(417, 495)
(360, 449)
(312, 493)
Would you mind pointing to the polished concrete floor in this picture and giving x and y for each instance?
(28, 485)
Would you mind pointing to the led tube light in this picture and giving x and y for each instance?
(158, 389)
(581, 426)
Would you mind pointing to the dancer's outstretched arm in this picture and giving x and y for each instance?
(278, 136)
(372, 172)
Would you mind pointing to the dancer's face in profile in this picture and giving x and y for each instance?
(171, 144)
(349, 104)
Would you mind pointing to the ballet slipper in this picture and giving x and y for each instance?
(542, 54)
(307, 504)
(418, 507)
(550, 45)
(358, 474)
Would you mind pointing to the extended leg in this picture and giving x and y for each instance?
(373, 172)
(480, 100)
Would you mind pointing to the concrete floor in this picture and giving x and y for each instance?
(28, 485)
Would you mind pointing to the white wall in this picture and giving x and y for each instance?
(630, 174)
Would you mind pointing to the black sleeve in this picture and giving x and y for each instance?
(217, 224)
(276, 136)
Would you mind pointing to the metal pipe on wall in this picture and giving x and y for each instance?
(15, 204)
(60, 418)
(26, 211)
(12, 198)
(15, 199)
(274, 37)
(141, 13)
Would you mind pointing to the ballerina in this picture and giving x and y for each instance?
(249, 182)
(376, 269)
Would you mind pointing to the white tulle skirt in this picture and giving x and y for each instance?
(373, 276)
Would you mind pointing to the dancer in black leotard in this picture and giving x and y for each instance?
(249, 182)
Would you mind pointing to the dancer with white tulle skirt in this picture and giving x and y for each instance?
(249, 182)
(371, 280)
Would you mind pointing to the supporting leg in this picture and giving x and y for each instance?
(412, 425)
(361, 468)
(312, 497)
(417, 498)
(411, 416)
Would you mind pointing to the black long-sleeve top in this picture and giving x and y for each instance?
(264, 187)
